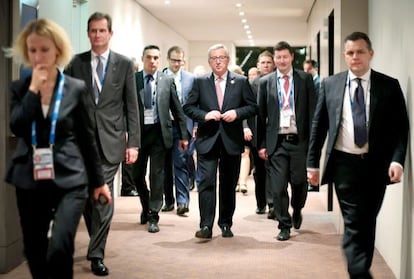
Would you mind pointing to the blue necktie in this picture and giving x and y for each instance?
(359, 116)
(148, 92)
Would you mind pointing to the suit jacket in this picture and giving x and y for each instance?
(167, 100)
(269, 113)
(187, 80)
(388, 123)
(75, 150)
(203, 99)
(118, 93)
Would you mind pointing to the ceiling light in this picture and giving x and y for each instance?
(167, 2)
(241, 13)
(244, 20)
(246, 26)
(238, 5)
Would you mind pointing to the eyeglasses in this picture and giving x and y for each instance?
(220, 58)
(179, 61)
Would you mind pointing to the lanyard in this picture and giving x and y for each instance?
(59, 93)
(285, 98)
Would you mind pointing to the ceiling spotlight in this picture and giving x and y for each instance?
(248, 32)
(241, 13)
(167, 2)
(238, 5)
(246, 26)
(244, 20)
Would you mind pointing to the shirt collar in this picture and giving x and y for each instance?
(224, 76)
(153, 75)
(365, 76)
(104, 55)
(280, 75)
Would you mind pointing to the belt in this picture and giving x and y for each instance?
(292, 138)
(361, 156)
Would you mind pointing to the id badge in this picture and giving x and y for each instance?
(43, 164)
(285, 116)
(148, 117)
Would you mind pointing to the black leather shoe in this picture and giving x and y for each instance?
(226, 231)
(192, 184)
(312, 188)
(98, 267)
(204, 232)
(166, 208)
(297, 219)
(283, 235)
(144, 218)
(261, 210)
(129, 193)
(182, 209)
(271, 214)
(153, 227)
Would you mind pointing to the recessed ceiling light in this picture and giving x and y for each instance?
(238, 5)
(246, 26)
(248, 32)
(244, 20)
(167, 2)
(241, 13)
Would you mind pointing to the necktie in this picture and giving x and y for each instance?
(99, 73)
(148, 92)
(99, 69)
(219, 92)
(286, 85)
(359, 116)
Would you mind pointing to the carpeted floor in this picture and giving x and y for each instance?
(313, 252)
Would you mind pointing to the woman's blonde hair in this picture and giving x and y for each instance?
(45, 28)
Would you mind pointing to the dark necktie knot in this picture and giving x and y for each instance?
(149, 78)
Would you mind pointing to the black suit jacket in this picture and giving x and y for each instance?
(203, 99)
(118, 94)
(388, 123)
(269, 112)
(75, 150)
(167, 101)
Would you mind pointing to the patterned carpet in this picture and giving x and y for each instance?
(314, 251)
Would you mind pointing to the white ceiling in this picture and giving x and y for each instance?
(218, 20)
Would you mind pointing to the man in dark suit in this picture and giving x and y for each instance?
(266, 65)
(157, 97)
(286, 105)
(360, 159)
(108, 95)
(179, 164)
(219, 101)
(311, 66)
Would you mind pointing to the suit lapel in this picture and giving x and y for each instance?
(139, 79)
(338, 97)
(373, 91)
(110, 72)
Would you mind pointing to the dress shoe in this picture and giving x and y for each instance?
(129, 193)
(297, 219)
(271, 214)
(167, 207)
(182, 209)
(98, 267)
(283, 235)
(153, 227)
(226, 231)
(312, 188)
(204, 232)
(261, 210)
(243, 188)
(144, 218)
(191, 182)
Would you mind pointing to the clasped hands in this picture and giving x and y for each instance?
(215, 115)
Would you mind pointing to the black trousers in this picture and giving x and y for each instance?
(360, 194)
(287, 165)
(153, 148)
(127, 177)
(262, 193)
(229, 168)
(50, 257)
